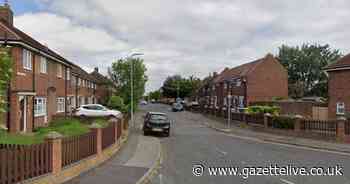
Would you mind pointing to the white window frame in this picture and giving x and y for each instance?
(59, 71)
(241, 101)
(43, 65)
(68, 74)
(79, 81)
(225, 101)
(225, 85)
(60, 102)
(215, 101)
(40, 104)
(340, 108)
(27, 59)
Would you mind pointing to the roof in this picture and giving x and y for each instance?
(99, 78)
(342, 64)
(240, 71)
(23, 37)
(82, 73)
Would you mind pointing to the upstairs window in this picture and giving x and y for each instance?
(341, 108)
(68, 74)
(27, 59)
(59, 70)
(43, 65)
(79, 81)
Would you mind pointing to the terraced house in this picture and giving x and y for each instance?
(261, 80)
(44, 84)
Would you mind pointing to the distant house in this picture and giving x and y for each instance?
(260, 80)
(339, 87)
(104, 88)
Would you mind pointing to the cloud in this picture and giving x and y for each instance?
(184, 37)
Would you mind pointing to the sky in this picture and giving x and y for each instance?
(186, 37)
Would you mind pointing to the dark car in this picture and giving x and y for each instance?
(177, 107)
(156, 122)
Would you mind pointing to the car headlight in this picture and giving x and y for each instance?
(167, 126)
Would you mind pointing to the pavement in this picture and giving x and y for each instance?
(237, 130)
(129, 165)
(192, 142)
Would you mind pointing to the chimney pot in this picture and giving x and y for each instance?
(96, 69)
(6, 13)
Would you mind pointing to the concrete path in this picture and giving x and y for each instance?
(129, 165)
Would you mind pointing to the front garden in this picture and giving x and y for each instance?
(67, 127)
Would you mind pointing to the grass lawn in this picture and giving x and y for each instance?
(66, 127)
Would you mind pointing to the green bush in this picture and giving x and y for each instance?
(283, 122)
(274, 110)
(116, 102)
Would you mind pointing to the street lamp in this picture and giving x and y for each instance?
(229, 111)
(130, 56)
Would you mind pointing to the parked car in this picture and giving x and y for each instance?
(143, 102)
(177, 107)
(153, 101)
(96, 110)
(156, 122)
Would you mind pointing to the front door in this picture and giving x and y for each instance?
(23, 113)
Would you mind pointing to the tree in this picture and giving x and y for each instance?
(120, 76)
(5, 76)
(305, 68)
(177, 86)
(156, 95)
(116, 102)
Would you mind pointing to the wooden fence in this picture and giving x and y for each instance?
(18, 163)
(77, 148)
(324, 128)
(108, 136)
(255, 119)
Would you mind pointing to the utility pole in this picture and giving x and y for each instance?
(229, 111)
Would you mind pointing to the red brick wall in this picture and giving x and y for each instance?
(269, 79)
(338, 90)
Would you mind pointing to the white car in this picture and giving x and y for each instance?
(96, 110)
(143, 102)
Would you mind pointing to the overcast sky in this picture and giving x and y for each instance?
(181, 36)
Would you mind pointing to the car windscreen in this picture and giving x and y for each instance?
(157, 118)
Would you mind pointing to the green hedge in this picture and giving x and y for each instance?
(274, 110)
(283, 122)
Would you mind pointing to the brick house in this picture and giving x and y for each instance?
(44, 84)
(339, 87)
(260, 80)
(104, 90)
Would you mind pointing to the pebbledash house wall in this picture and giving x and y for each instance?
(338, 91)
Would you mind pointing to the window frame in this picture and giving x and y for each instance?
(59, 71)
(43, 62)
(43, 105)
(60, 101)
(338, 107)
(27, 59)
(68, 74)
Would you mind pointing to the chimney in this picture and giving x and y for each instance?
(6, 13)
(96, 69)
(215, 74)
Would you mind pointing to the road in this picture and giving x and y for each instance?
(192, 143)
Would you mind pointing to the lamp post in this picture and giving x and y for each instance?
(130, 56)
(229, 111)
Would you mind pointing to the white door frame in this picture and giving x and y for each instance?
(24, 113)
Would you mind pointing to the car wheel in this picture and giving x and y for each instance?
(145, 133)
(111, 116)
(82, 116)
(167, 134)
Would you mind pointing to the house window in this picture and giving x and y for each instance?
(225, 85)
(79, 81)
(238, 83)
(225, 101)
(59, 70)
(60, 105)
(68, 74)
(27, 59)
(43, 65)
(340, 108)
(215, 101)
(39, 106)
(241, 101)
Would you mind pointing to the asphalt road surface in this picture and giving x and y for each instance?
(191, 143)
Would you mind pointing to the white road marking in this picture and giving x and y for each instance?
(285, 145)
(221, 151)
(160, 178)
(286, 181)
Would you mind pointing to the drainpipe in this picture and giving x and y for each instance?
(65, 93)
(245, 93)
(33, 119)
